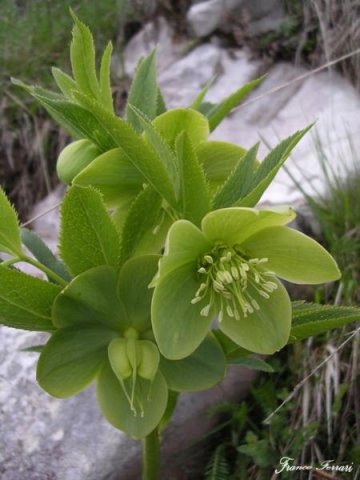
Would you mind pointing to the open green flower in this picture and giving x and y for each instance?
(229, 270)
(103, 333)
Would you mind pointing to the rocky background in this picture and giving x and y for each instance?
(42, 438)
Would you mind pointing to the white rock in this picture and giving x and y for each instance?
(183, 80)
(157, 33)
(205, 17)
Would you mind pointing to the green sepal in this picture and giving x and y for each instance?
(115, 405)
(144, 92)
(25, 301)
(42, 253)
(10, 241)
(201, 370)
(91, 299)
(72, 358)
(86, 227)
(310, 319)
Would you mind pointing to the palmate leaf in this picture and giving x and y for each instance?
(194, 194)
(311, 319)
(88, 237)
(218, 112)
(82, 54)
(10, 241)
(42, 253)
(25, 301)
(144, 92)
(142, 216)
(268, 168)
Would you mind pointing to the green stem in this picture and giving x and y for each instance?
(44, 269)
(10, 261)
(151, 456)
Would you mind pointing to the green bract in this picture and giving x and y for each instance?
(229, 270)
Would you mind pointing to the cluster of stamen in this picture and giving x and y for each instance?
(226, 278)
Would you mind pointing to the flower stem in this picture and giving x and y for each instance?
(151, 456)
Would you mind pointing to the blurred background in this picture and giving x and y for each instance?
(230, 42)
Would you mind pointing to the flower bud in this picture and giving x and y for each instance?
(74, 158)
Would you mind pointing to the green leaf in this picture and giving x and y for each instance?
(33, 349)
(105, 79)
(194, 195)
(144, 92)
(252, 362)
(134, 291)
(311, 319)
(82, 54)
(266, 330)
(163, 150)
(91, 299)
(114, 176)
(25, 301)
(238, 181)
(42, 253)
(199, 99)
(218, 160)
(170, 124)
(178, 326)
(268, 169)
(116, 408)
(135, 148)
(204, 368)
(293, 256)
(88, 237)
(64, 82)
(220, 111)
(74, 158)
(10, 241)
(161, 106)
(71, 359)
(142, 216)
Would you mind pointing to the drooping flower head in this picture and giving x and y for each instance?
(229, 270)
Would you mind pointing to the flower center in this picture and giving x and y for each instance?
(231, 281)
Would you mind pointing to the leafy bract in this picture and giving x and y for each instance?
(201, 370)
(42, 253)
(25, 301)
(114, 176)
(143, 93)
(218, 112)
(10, 241)
(64, 82)
(140, 154)
(105, 86)
(311, 319)
(86, 227)
(171, 123)
(116, 408)
(194, 195)
(71, 359)
(91, 299)
(267, 170)
(82, 54)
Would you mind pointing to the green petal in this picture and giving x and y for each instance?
(201, 370)
(293, 256)
(91, 298)
(115, 406)
(234, 225)
(266, 330)
(134, 292)
(113, 175)
(170, 124)
(178, 326)
(72, 358)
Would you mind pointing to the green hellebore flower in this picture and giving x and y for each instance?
(103, 333)
(229, 270)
